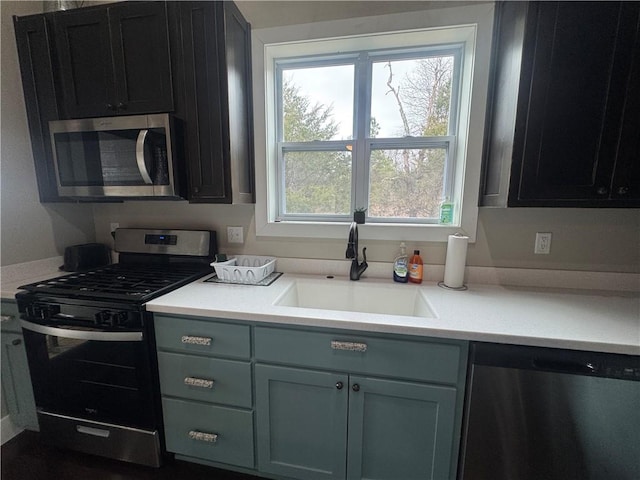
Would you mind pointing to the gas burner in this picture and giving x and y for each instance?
(135, 282)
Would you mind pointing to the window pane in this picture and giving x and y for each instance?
(317, 182)
(411, 97)
(406, 183)
(318, 103)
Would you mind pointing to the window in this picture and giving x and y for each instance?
(379, 120)
(387, 152)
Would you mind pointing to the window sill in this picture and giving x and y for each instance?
(368, 231)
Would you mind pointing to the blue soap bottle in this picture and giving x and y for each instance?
(401, 265)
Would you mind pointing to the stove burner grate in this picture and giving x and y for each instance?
(128, 282)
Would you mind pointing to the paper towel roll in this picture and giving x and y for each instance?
(456, 261)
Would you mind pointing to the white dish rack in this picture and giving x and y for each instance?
(246, 269)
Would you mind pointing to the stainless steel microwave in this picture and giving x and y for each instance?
(115, 157)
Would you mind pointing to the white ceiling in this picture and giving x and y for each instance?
(265, 14)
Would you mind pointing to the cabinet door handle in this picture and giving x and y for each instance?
(622, 190)
(6, 318)
(198, 382)
(121, 106)
(16, 341)
(350, 346)
(355, 387)
(192, 340)
(339, 385)
(111, 106)
(602, 190)
(203, 436)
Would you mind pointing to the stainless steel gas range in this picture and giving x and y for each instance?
(90, 344)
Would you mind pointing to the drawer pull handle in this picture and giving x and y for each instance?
(6, 318)
(96, 432)
(203, 437)
(191, 340)
(351, 346)
(198, 382)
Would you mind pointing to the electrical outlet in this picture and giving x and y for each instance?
(543, 243)
(234, 235)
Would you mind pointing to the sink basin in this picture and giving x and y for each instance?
(365, 297)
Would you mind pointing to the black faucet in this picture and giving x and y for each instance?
(357, 269)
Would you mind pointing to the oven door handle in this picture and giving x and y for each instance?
(82, 334)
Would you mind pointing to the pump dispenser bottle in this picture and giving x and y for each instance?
(415, 267)
(401, 265)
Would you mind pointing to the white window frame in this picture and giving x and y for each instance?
(362, 143)
(470, 26)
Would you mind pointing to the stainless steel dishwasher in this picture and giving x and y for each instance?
(546, 414)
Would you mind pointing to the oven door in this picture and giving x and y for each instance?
(102, 376)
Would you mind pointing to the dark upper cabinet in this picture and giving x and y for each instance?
(570, 69)
(114, 60)
(36, 68)
(216, 71)
(189, 58)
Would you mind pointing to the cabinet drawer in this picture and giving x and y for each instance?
(202, 337)
(10, 317)
(427, 361)
(205, 379)
(218, 434)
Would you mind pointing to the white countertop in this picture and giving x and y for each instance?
(13, 276)
(606, 321)
(575, 319)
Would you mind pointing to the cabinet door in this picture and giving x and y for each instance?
(141, 57)
(114, 60)
(83, 50)
(16, 382)
(626, 181)
(207, 135)
(400, 430)
(34, 54)
(301, 422)
(566, 136)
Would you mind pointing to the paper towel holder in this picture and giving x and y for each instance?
(442, 285)
(456, 250)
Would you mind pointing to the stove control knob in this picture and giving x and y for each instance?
(120, 318)
(43, 312)
(104, 317)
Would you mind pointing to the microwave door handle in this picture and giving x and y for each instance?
(142, 137)
(82, 334)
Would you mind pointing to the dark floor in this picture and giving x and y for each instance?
(26, 458)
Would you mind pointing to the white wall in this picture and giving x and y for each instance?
(29, 230)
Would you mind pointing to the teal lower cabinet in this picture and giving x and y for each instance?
(209, 432)
(399, 430)
(207, 390)
(301, 422)
(346, 422)
(16, 380)
(298, 403)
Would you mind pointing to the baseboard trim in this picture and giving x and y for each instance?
(8, 429)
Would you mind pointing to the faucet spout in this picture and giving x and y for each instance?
(357, 269)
